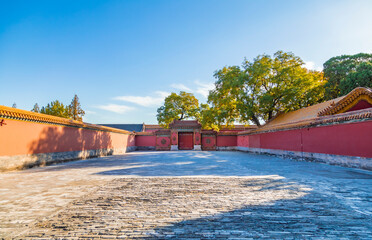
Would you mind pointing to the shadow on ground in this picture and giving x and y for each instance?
(191, 163)
(206, 208)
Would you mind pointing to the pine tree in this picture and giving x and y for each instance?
(75, 110)
(56, 108)
(36, 108)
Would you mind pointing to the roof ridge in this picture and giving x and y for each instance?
(24, 115)
(347, 100)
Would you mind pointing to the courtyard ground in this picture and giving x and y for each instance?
(187, 195)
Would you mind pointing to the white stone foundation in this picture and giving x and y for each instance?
(340, 160)
(174, 147)
(197, 147)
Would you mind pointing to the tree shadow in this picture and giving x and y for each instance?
(195, 163)
(60, 144)
(306, 216)
(284, 219)
(203, 208)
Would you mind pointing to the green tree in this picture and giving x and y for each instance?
(224, 98)
(36, 108)
(362, 77)
(337, 69)
(178, 106)
(56, 108)
(264, 88)
(208, 117)
(74, 109)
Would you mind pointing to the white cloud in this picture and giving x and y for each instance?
(90, 112)
(162, 94)
(115, 108)
(204, 88)
(145, 101)
(311, 66)
(181, 87)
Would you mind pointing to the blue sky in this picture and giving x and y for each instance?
(123, 57)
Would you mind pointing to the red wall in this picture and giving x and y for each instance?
(352, 139)
(211, 139)
(197, 138)
(163, 141)
(243, 141)
(226, 141)
(145, 141)
(21, 137)
(285, 140)
(347, 139)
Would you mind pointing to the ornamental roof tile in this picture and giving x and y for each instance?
(348, 101)
(185, 123)
(23, 115)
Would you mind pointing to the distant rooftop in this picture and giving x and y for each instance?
(128, 127)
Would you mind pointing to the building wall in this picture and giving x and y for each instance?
(145, 140)
(226, 141)
(163, 143)
(343, 144)
(26, 143)
(208, 142)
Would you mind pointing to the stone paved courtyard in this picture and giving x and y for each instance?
(187, 195)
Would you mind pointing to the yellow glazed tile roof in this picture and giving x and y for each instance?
(23, 115)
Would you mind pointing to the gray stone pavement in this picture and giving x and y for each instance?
(187, 195)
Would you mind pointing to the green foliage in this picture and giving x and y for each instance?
(224, 99)
(208, 117)
(362, 77)
(337, 69)
(75, 111)
(56, 108)
(263, 88)
(36, 108)
(178, 106)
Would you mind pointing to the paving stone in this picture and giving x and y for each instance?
(153, 195)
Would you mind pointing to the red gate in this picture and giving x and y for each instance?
(185, 141)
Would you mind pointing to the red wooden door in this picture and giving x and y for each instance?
(185, 141)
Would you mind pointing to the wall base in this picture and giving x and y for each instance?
(174, 148)
(145, 148)
(340, 160)
(17, 162)
(230, 148)
(197, 147)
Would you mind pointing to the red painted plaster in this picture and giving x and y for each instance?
(20, 137)
(243, 141)
(174, 138)
(212, 141)
(165, 144)
(145, 141)
(197, 139)
(362, 104)
(226, 141)
(352, 139)
(284, 140)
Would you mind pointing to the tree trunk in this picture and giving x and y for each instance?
(181, 116)
(256, 121)
(270, 115)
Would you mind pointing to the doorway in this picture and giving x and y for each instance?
(186, 141)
